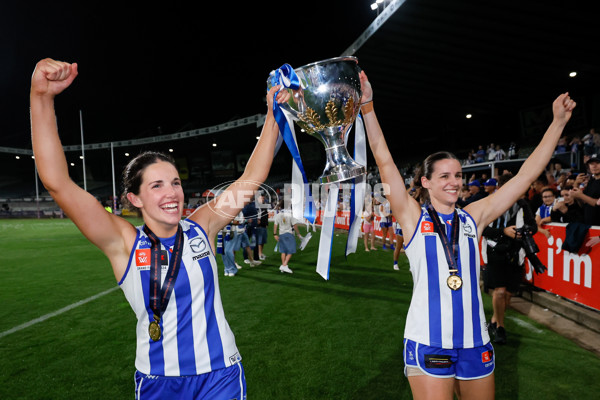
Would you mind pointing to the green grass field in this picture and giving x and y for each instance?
(301, 337)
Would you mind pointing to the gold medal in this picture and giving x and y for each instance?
(154, 331)
(454, 282)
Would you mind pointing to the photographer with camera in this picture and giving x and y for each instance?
(509, 239)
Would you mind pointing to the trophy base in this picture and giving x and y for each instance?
(340, 173)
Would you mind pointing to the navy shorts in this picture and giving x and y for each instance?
(385, 224)
(472, 363)
(223, 384)
(287, 243)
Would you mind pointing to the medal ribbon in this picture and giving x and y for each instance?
(159, 296)
(451, 250)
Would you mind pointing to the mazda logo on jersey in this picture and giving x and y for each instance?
(197, 244)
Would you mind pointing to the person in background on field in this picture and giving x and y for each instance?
(385, 223)
(399, 244)
(504, 268)
(368, 228)
(261, 228)
(447, 348)
(185, 347)
(286, 225)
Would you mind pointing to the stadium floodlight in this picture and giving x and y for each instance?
(374, 6)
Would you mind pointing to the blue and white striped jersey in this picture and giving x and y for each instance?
(196, 337)
(439, 316)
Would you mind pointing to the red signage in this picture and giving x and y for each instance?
(569, 275)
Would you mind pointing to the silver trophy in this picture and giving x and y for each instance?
(325, 107)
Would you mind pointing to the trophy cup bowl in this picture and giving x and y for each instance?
(325, 107)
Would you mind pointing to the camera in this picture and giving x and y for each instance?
(528, 244)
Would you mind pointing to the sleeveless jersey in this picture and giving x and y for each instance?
(439, 316)
(196, 338)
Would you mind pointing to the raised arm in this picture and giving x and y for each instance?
(404, 207)
(491, 207)
(214, 215)
(103, 229)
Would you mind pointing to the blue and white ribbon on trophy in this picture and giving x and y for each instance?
(287, 78)
(357, 198)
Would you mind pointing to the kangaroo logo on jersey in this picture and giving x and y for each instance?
(142, 257)
(468, 231)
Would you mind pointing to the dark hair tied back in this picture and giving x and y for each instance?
(425, 169)
(134, 171)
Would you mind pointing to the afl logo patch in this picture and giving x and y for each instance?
(142, 257)
(427, 227)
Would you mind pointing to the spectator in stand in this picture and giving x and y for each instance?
(465, 194)
(561, 180)
(470, 159)
(491, 152)
(484, 177)
(551, 181)
(535, 193)
(476, 193)
(490, 186)
(588, 143)
(480, 154)
(595, 140)
(588, 197)
(500, 154)
(567, 210)
(576, 144)
(557, 167)
(570, 181)
(513, 152)
(561, 146)
(543, 213)
(596, 239)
